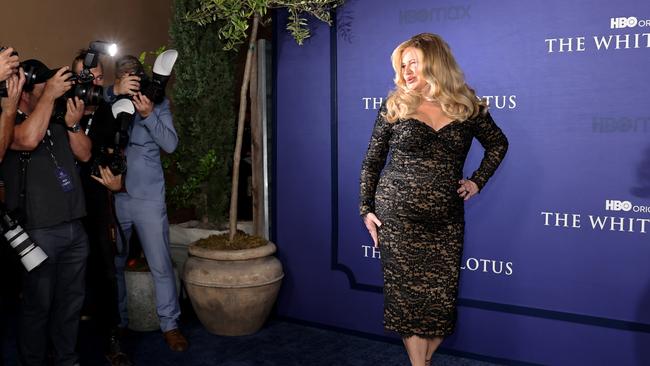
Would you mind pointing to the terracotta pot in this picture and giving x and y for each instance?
(233, 291)
(183, 234)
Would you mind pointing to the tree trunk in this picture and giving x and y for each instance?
(257, 150)
(243, 103)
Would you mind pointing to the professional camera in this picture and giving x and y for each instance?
(154, 87)
(3, 83)
(34, 70)
(84, 89)
(112, 156)
(89, 93)
(31, 255)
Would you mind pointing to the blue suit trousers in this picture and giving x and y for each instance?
(149, 218)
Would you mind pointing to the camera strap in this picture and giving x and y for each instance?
(25, 158)
(48, 141)
(119, 250)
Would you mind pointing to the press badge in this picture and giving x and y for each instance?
(64, 179)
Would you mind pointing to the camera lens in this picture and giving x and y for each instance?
(30, 254)
(89, 93)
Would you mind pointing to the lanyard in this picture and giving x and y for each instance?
(48, 141)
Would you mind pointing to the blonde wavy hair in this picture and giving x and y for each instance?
(445, 79)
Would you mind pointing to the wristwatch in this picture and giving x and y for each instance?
(75, 128)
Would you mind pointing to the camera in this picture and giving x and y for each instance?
(154, 87)
(84, 88)
(31, 69)
(31, 255)
(3, 83)
(112, 156)
(109, 158)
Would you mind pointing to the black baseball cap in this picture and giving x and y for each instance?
(38, 71)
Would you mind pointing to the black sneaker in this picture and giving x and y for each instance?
(115, 355)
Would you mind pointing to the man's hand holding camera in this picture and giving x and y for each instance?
(9, 106)
(110, 181)
(8, 64)
(58, 84)
(127, 85)
(143, 105)
(15, 84)
(74, 111)
(56, 87)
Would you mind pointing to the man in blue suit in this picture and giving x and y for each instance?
(142, 206)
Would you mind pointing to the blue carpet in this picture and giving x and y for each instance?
(279, 343)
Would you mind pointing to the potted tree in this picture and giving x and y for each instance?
(198, 173)
(233, 279)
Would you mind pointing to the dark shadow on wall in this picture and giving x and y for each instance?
(344, 21)
(642, 189)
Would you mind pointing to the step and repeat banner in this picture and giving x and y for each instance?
(564, 223)
(562, 231)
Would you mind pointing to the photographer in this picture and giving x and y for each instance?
(14, 82)
(143, 204)
(42, 181)
(100, 126)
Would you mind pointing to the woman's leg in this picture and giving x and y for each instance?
(416, 347)
(432, 346)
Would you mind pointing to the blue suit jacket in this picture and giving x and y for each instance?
(144, 175)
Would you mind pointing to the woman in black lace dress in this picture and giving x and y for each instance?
(414, 206)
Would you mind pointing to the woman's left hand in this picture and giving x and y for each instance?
(467, 189)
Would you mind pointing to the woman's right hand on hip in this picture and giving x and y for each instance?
(372, 223)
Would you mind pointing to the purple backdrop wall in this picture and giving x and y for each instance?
(555, 262)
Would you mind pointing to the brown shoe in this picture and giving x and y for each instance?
(175, 340)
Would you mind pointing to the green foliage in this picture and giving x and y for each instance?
(235, 15)
(203, 116)
(143, 57)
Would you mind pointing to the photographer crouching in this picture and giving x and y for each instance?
(42, 182)
(100, 224)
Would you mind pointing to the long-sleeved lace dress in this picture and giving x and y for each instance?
(422, 215)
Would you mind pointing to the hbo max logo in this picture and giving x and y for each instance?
(614, 205)
(627, 22)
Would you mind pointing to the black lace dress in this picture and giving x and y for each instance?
(422, 215)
